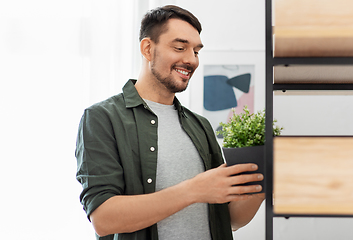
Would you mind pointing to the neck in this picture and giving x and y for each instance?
(149, 88)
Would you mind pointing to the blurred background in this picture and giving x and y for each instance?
(59, 57)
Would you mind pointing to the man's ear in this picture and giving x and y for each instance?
(146, 48)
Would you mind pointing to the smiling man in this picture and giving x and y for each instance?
(150, 168)
(170, 60)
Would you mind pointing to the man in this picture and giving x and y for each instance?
(150, 168)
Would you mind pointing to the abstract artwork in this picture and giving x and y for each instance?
(227, 87)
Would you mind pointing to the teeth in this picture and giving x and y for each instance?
(182, 72)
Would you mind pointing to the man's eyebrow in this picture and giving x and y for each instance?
(181, 40)
(187, 42)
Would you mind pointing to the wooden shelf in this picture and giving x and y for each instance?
(315, 28)
(313, 74)
(313, 175)
(313, 42)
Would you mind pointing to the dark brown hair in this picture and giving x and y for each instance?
(154, 22)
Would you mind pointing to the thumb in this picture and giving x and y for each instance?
(222, 165)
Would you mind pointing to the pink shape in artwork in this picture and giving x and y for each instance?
(245, 99)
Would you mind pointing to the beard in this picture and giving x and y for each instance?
(168, 82)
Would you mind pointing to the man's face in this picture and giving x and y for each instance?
(175, 57)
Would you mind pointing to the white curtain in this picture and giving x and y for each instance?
(56, 58)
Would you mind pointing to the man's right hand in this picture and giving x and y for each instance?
(129, 213)
(221, 185)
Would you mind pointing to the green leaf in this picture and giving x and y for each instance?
(245, 129)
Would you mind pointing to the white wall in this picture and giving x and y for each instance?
(41, 99)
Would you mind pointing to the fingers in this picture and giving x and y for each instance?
(237, 178)
(240, 193)
(238, 190)
(245, 178)
(224, 184)
(241, 173)
(240, 168)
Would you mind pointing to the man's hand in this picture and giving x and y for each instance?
(129, 213)
(221, 185)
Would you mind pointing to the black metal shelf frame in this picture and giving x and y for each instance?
(270, 87)
(268, 127)
(312, 60)
(313, 215)
(310, 86)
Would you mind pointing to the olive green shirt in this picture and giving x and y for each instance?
(116, 153)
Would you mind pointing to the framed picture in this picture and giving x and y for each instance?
(227, 81)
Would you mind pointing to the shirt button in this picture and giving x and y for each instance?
(153, 122)
(149, 180)
(152, 149)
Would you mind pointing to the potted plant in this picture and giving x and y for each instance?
(244, 138)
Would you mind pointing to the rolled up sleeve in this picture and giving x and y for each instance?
(99, 169)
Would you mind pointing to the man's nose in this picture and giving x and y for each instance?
(191, 58)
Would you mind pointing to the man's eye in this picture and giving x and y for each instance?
(179, 48)
(196, 53)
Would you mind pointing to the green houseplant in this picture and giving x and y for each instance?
(244, 139)
(246, 130)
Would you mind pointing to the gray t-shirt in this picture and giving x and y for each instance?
(178, 160)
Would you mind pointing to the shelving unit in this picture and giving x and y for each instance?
(313, 58)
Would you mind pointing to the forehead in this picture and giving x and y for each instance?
(179, 29)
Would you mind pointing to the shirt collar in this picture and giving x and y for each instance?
(131, 96)
(133, 99)
(179, 107)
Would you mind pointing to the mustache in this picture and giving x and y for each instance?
(185, 66)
